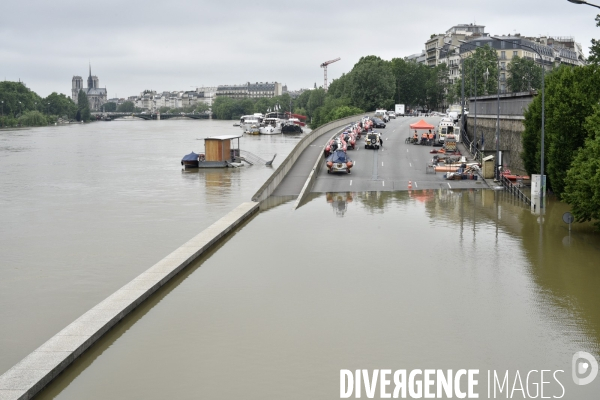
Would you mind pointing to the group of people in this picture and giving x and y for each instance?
(427, 138)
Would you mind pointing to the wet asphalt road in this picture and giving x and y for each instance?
(391, 168)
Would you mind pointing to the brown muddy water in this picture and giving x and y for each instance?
(86, 208)
(406, 280)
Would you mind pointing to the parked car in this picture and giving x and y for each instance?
(339, 161)
(391, 114)
(372, 140)
(378, 123)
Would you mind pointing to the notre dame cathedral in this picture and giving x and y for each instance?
(96, 95)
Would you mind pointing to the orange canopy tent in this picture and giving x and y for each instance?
(421, 125)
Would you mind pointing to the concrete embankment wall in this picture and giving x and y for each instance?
(314, 173)
(279, 174)
(511, 130)
(36, 370)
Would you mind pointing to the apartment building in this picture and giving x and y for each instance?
(251, 90)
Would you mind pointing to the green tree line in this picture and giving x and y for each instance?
(20, 106)
(572, 136)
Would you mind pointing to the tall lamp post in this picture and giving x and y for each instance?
(543, 107)
(583, 2)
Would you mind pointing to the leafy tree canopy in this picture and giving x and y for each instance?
(127, 106)
(523, 75)
(582, 183)
(571, 97)
(595, 48)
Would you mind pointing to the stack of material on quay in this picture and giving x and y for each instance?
(460, 171)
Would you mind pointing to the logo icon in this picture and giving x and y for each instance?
(585, 368)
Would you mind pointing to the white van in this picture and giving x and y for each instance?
(446, 127)
(384, 117)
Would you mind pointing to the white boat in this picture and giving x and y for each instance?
(246, 121)
(272, 126)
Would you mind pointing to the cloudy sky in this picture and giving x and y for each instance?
(181, 44)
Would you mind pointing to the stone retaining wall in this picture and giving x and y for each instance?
(511, 129)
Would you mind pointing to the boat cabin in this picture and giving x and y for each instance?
(219, 152)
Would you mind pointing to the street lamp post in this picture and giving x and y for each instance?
(498, 165)
(583, 2)
(543, 107)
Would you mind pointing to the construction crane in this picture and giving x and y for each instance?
(324, 66)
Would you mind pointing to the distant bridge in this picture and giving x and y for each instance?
(114, 115)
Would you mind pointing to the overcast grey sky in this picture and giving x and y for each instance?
(179, 44)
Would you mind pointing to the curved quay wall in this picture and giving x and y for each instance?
(35, 371)
(279, 174)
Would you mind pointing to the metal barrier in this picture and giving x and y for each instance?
(475, 152)
(252, 158)
(514, 190)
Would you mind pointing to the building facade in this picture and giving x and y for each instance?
(250, 90)
(96, 95)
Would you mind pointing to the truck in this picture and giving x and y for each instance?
(399, 110)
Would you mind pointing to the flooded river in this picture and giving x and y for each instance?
(435, 279)
(86, 208)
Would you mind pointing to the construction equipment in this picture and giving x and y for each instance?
(324, 66)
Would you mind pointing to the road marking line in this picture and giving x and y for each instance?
(382, 163)
(449, 186)
(407, 150)
(383, 183)
(350, 182)
(354, 164)
(410, 164)
(416, 184)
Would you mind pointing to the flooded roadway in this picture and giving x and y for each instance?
(370, 280)
(399, 280)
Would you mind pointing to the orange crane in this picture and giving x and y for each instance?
(324, 66)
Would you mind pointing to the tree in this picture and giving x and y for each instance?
(582, 183)
(33, 118)
(316, 99)
(411, 82)
(17, 98)
(437, 86)
(342, 112)
(83, 107)
(571, 95)
(483, 59)
(372, 84)
(127, 107)
(302, 100)
(595, 49)
(110, 107)
(223, 108)
(202, 107)
(523, 75)
(60, 105)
